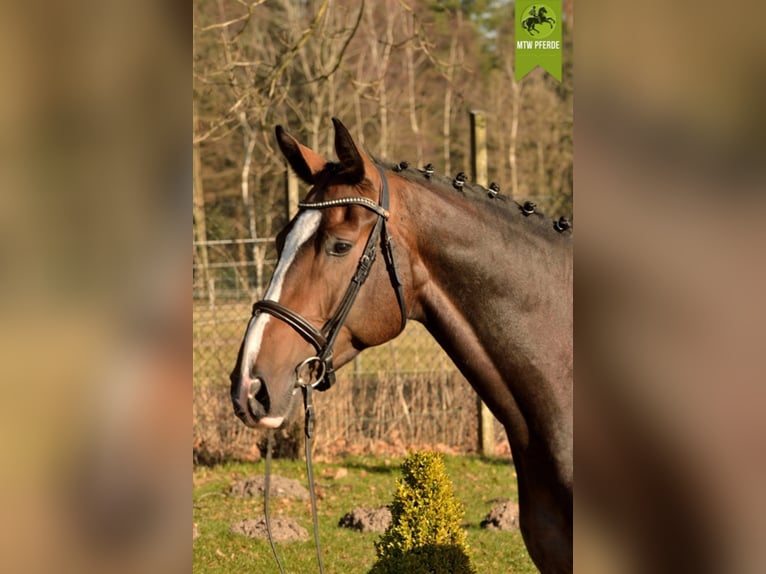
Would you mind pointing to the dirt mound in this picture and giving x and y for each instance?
(504, 516)
(283, 529)
(280, 487)
(367, 519)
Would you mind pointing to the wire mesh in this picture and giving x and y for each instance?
(403, 394)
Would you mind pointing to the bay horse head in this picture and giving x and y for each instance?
(315, 316)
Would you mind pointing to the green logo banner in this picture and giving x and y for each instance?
(538, 37)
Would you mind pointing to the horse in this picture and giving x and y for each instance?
(537, 17)
(491, 284)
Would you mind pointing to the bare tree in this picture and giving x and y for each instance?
(401, 73)
(198, 214)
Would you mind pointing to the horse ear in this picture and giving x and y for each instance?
(353, 161)
(305, 162)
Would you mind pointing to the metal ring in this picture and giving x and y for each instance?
(299, 382)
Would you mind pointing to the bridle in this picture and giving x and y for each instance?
(319, 367)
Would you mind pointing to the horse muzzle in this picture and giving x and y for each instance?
(252, 403)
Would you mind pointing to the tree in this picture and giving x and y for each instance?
(425, 533)
(402, 74)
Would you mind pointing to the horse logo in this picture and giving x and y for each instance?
(537, 16)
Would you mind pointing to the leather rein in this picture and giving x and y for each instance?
(320, 367)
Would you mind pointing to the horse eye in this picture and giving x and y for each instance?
(339, 248)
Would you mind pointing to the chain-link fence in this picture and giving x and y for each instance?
(402, 394)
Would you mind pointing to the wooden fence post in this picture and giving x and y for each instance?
(479, 175)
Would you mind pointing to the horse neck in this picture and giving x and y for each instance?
(496, 295)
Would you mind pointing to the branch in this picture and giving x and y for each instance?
(421, 35)
(294, 50)
(226, 119)
(207, 136)
(342, 50)
(244, 18)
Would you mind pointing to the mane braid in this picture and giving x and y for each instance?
(510, 209)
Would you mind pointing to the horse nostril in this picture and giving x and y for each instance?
(255, 386)
(258, 397)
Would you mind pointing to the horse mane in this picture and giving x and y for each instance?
(502, 205)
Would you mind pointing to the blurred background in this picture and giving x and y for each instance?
(95, 310)
(669, 284)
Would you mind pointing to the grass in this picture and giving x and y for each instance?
(369, 482)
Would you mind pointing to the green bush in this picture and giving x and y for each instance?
(425, 535)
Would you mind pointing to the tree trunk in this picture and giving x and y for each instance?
(515, 106)
(446, 124)
(198, 213)
(380, 60)
(541, 187)
(448, 93)
(358, 88)
(410, 61)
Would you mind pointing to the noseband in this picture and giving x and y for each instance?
(318, 371)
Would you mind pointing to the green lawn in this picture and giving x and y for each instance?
(369, 482)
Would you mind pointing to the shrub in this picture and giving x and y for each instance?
(425, 535)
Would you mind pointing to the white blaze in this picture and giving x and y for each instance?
(305, 226)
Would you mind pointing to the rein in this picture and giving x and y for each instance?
(318, 370)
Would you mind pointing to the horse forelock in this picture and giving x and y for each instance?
(334, 181)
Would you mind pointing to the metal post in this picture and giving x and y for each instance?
(479, 175)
